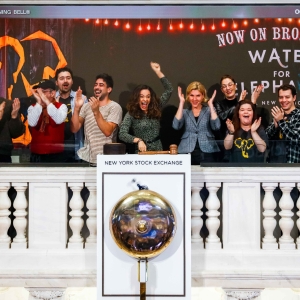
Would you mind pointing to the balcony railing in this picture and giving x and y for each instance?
(245, 226)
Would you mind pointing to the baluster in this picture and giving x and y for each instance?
(197, 221)
(4, 213)
(298, 220)
(20, 222)
(76, 222)
(91, 241)
(269, 223)
(286, 223)
(213, 222)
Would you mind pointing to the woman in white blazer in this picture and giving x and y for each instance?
(199, 120)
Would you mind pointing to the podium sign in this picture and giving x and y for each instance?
(169, 274)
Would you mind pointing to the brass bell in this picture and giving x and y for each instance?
(143, 224)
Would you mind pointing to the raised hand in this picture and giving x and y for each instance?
(256, 93)
(79, 99)
(277, 113)
(230, 126)
(15, 108)
(156, 68)
(211, 100)
(255, 124)
(36, 96)
(43, 97)
(94, 103)
(243, 95)
(181, 96)
(2, 106)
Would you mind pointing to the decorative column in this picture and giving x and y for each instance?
(269, 223)
(76, 222)
(197, 221)
(298, 221)
(213, 221)
(286, 223)
(20, 222)
(91, 241)
(4, 213)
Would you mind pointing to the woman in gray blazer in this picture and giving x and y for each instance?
(199, 120)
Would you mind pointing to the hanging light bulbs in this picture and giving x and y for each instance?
(213, 27)
(181, 25)
(192, 25)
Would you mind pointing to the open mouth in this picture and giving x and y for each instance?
(144, 105)
(97, 93)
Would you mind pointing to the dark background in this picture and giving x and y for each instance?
(184, 55)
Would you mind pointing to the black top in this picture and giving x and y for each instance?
(225, 109)
(244, 149)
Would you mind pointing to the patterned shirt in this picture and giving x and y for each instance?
(94, 137)
(289, 130)
(145, 128)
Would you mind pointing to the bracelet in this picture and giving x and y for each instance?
(139, 140)
(230, 133)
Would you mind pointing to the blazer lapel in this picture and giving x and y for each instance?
(191, 115)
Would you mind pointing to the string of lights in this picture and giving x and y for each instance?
(188, 24)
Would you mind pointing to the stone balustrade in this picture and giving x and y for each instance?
(245, 227)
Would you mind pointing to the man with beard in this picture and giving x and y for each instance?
(285, 127)
(46, 119)
(65, 94)
(101, 117)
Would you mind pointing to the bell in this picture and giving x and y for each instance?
(143, 225)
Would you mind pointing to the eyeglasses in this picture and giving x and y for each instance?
(224, 86)
(45, 91)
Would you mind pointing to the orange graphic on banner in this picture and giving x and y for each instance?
(47, 72)
(9, 41)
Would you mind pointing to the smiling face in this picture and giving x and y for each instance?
(144, 100)
(287, 100)
(64, 82)
(228, 88)
(246, 114)
(101, 91)
(195, 97)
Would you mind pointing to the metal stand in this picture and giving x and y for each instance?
(143, 277)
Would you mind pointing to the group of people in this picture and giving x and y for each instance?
(67, 127)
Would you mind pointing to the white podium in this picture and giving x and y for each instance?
(169, 274)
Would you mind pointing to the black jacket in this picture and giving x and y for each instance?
(9, 128)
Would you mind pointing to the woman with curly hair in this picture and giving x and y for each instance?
(199, 122)
(246, 139)
(143, 116)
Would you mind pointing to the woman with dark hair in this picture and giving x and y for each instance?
(199, 122)
(143, 116)
(246, 139)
